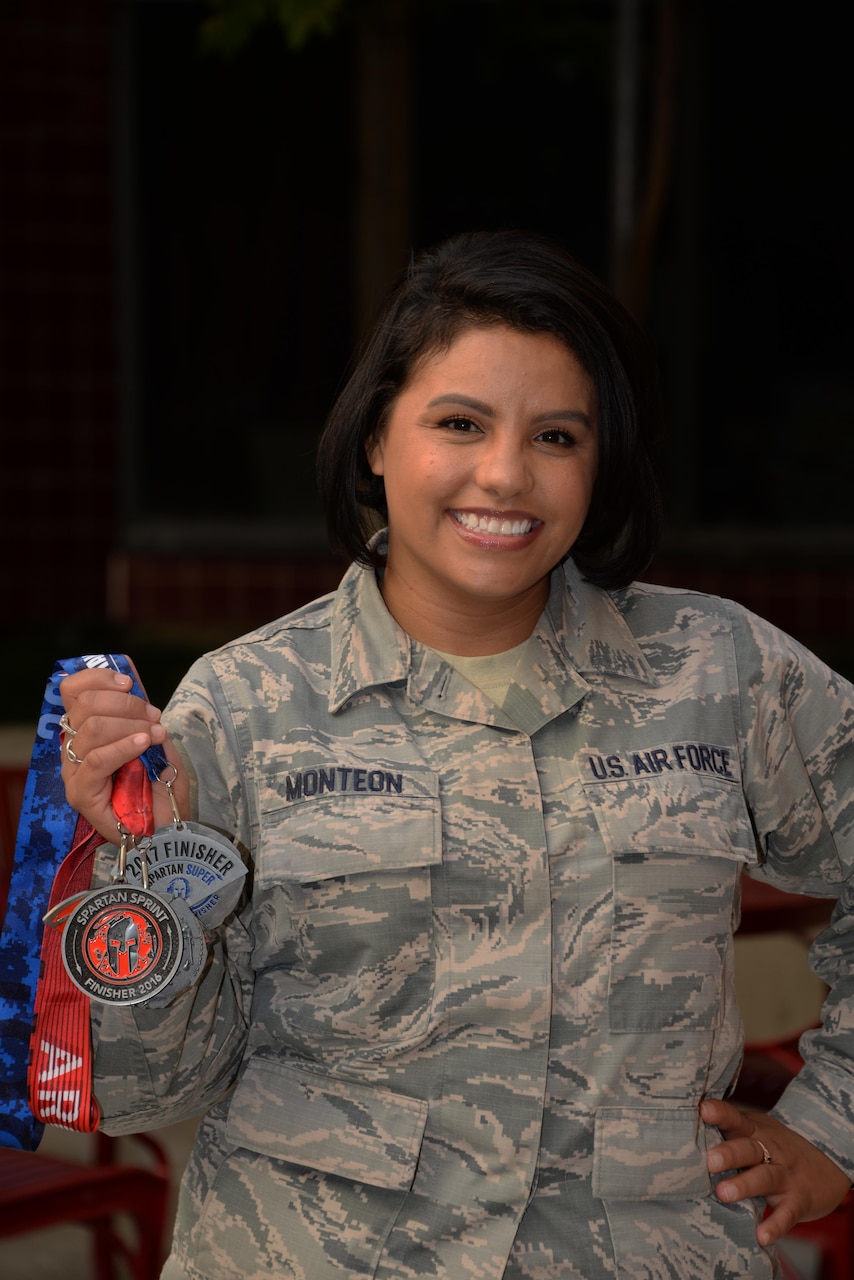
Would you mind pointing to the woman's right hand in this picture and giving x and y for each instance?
(111, 727)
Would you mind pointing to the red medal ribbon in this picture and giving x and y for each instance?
(60, 1067)
(132, 800)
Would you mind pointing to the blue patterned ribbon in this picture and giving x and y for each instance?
(45, 835)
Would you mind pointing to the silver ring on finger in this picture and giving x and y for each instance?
(72, 754)
(766, 1154)
(65, 726)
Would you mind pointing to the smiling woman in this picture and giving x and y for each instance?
(475, 1015)
(524, 285)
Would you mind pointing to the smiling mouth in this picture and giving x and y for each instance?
(495, 526)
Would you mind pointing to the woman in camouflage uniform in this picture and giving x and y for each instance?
(476, 1017)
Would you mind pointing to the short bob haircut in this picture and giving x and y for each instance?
(532, 285)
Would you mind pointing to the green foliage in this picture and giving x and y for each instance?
(233, 23)
(583, 31)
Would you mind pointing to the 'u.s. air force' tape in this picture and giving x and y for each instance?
(194, 863)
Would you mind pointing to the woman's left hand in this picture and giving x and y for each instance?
(798, 1182)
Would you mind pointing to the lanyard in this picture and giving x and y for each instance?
(49, 832)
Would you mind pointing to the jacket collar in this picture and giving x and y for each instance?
(581, 631)
(368, 646)
(596, 635)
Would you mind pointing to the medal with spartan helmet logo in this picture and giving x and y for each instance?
(122, 944)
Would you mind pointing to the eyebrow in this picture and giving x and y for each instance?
(559, 415)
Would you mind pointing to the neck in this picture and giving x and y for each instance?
(456, 628)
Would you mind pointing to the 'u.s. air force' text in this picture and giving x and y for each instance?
(697, 757)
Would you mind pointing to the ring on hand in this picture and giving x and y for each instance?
(72, 754)
(766, 1154)
(65, 726)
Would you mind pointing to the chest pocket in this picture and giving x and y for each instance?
(343, 906)
(677, 843)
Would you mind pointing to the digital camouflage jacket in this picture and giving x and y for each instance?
(484, 976)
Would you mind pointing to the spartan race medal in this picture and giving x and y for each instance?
(122, 944)
(129, 943)
(193, 957)
(125, 944)
(194, 863)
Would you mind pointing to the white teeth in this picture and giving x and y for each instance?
(493, 525)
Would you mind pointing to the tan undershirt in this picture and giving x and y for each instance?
(491, 673)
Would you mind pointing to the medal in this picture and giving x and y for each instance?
(191, 862)
(140, 940)
(122, 944)
(193, 957)
(126, 944)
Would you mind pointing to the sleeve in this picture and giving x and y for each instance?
(154, 1067)
(798, 761)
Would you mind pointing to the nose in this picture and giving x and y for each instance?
(502, 467)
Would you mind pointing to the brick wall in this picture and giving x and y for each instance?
(229, 593)
(56, 306)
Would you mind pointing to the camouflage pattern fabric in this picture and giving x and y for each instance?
(484, 977)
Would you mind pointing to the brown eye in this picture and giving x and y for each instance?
(459, 423)
(556, 435)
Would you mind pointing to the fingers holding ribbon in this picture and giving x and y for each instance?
(104, 727)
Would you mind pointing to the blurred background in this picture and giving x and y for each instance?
(204, 201)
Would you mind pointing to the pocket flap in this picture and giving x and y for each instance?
(650, 1153)
(676, 812)
(348, 821)
(352, 1130)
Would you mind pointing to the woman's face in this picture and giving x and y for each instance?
(488, 457)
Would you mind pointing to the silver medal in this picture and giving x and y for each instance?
(126, 944)
(194, 864)
(193, 957)
(122, 944)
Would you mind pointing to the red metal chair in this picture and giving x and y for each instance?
(39, 1191)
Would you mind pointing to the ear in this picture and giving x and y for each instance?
(374, 453)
